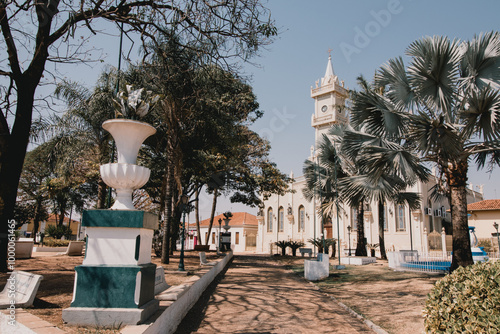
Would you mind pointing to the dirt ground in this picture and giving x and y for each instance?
(392, 300)
(56, 289)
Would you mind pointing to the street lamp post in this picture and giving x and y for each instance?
(220, 224)
(339, 266)
(495, 225)
(227, 218)
(349, 237)
(184, 206)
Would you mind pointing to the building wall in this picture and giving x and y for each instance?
(397, 236)
(483, 222)
(28, 228)
(241, 237)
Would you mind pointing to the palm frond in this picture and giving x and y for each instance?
(482, 115)
(435, 137)
(393, 75)
(434, 70)
(480, 63)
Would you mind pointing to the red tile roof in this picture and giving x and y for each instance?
(238, 218)
(488, 204)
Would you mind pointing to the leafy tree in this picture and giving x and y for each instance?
(58, 231)
(217, 31)
(202, 121)
(450, 94)
(32, 196)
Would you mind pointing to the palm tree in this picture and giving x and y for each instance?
(450, 94)
(327, 178)
(386, 165)
(78, 132)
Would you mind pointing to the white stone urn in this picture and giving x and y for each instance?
(125, 176)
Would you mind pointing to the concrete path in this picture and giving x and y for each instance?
(257, 296)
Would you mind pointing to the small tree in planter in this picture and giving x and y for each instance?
(294, 245)
(372, 248)
(318, 242)
(283, 245)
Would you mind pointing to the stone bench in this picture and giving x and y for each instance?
(358, 260)
(25, 286)
(203, 260)
(75, 248)
(346, 251)
(160, 283)
(305, 251)
(315, 270)
(24, 248)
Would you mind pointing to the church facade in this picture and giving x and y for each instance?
(292, 217)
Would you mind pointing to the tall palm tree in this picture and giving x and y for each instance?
(387, 166)
(327, 178)
(450, 93)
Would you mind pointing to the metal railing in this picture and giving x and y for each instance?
(432, 262)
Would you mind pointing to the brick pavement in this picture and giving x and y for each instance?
(257, 296)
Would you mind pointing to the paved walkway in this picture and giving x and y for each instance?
(257, 296)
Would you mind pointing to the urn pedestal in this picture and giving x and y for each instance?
(115, 283)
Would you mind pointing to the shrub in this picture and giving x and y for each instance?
(51, 242)
(58, 231)
(294, 245)
(157, 241)
(465, 301)
(318, 242)
(283, 245)
(486, 244)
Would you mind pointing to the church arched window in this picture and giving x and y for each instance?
(302, 219)
(281, 219)
(270, 220)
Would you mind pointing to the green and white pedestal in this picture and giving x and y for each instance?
(115, 284)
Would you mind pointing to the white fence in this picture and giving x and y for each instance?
(432, 262)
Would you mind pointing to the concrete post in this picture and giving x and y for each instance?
(425, 247)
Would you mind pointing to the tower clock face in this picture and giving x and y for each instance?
(324, 108)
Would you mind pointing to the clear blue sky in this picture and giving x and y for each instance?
(362, 35)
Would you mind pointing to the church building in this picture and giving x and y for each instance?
(292, 217)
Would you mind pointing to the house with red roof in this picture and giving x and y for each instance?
(243, 229)
(75, 226)
(482, 215)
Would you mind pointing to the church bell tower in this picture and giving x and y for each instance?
(329, 102)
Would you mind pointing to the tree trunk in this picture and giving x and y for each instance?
(176, 224)
(457, 178)
(361, 244)
(101, 194)
(36, 219)
(13, 148)
(381, 235)
(197, 215)
(212, 215)
(165, 251)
